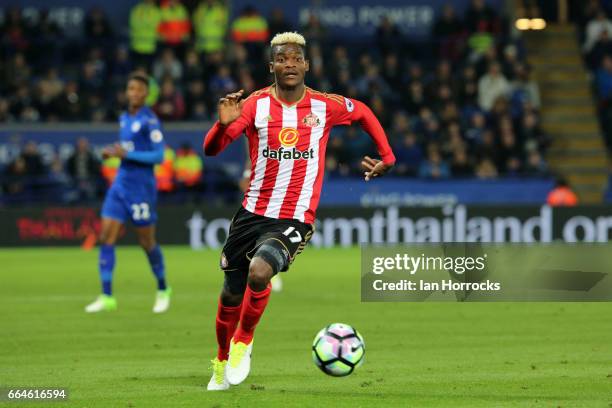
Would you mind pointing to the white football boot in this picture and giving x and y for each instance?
(218, 381)
(103, 303)
(162, 301)
(239, 362)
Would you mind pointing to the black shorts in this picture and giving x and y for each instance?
(248, 232)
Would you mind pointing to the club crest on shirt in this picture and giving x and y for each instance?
(135, 127)
(311, 120)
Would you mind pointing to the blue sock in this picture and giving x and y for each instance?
(156, 260)
(106, 264)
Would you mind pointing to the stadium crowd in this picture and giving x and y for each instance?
(461, 104)
(595, 30)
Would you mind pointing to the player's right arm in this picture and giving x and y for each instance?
(234, 118)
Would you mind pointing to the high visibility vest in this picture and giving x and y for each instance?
(480, 42)
(164, 172)
(562, 197)
(250, 29)
(153, 94)
(210, 26)
(110, 167)
(175, 26)
(188, 168)
(144, 19)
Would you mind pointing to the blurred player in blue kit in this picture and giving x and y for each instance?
(133, 194)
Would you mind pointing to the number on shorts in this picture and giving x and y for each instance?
(140, 211)
(296, 238)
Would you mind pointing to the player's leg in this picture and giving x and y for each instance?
(106, 263)
(228, 314)
(242, 237)
(266, 262)
(273, 253)
(146, 239)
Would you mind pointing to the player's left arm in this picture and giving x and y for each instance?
(356, 111)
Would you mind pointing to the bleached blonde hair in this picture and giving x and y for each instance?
(288, 37)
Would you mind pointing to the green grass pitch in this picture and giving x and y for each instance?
(425, 354)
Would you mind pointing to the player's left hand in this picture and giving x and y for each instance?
(374, 167)
(119, 151)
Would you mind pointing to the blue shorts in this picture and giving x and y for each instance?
(136, 203)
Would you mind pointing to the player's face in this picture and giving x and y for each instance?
(136, 93)
(289, 65)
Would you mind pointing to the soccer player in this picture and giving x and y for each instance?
(133, 194)
(287, 125)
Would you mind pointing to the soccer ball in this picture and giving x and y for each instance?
(338, 349)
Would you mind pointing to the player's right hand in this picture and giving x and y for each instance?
(230, 107)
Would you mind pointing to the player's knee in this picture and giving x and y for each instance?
(260, 273)
(106, 238)
(147, 243)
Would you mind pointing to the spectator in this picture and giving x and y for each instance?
(475, 131)
(486, 169)
(16, 177)
(5, 114)
(171, 105)
(70, 105)
(168, 66)
(195, 94)
(531, 133)
(448, 33)
(251, 30)
(562, 195)
(188, 167)
(492, 86)
(22, 104)
(388, 37)
(460, 165)
(84, 169)
(32, 160)
(314, 31)
(98, 30)
(45, 36)
(408, 154)
(536, 166)
(481, 18)
(524, 88)
(49, 88)
(175, 26)
(92, 81)
(17, 72)
(277, 22)
(434, 167)
(414, 98)
(372, 82)
(193, 68)
(602, 47)
(144, 21)
(594, 29)
(222, 83)
(120, 67)
(603, 79)
(14, 31)
(164, 172)
(210, 23)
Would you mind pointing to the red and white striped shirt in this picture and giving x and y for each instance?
(287, 148)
